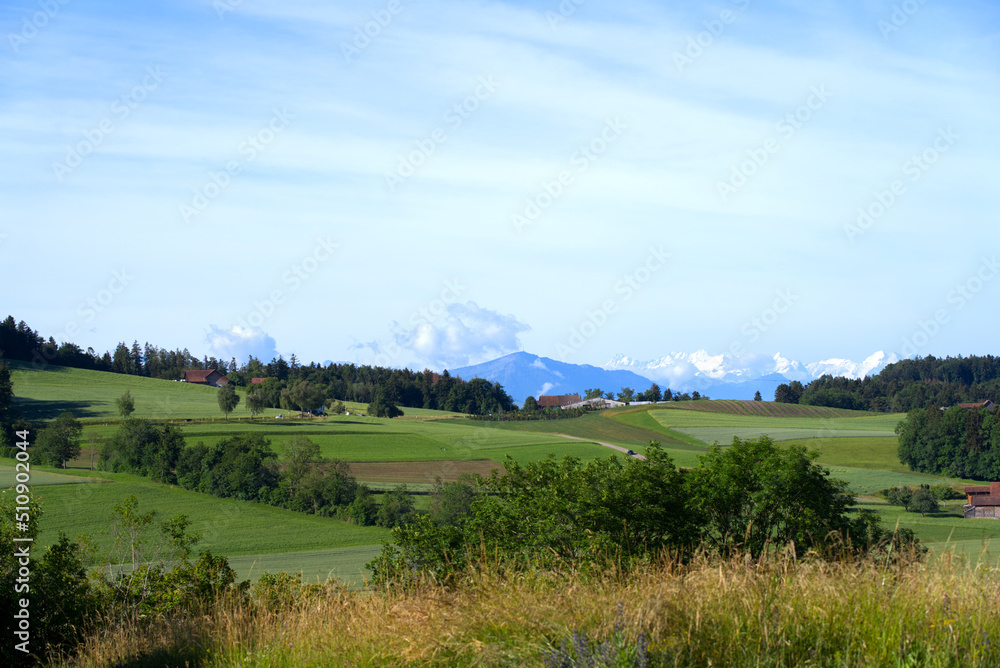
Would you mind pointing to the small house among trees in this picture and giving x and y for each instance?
(988, 405)
(983, 501)
(205, 377)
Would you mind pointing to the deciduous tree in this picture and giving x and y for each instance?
(255, 402)
(228, 399)
(125, 404)
(60, 441)
(754, 494)
(923, 501)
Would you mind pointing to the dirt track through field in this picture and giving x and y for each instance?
(607, 445)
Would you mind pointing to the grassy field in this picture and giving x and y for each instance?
(976, 539)
(709, 427)
(346, 564)
(760, 408)
(42, 393)
(596, 426)
(227, 527)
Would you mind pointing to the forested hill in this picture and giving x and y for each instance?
(903, 386)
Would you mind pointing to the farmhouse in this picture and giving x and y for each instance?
(557, 400)
(983, 501)
(205, 377)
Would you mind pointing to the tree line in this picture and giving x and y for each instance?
(956, 442)
(903, 386)
(245, 467)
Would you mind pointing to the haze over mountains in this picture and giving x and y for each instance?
(718, 376)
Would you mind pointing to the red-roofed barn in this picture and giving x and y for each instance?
(205, 377)
(983, 501)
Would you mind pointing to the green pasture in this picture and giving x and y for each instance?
(946, 530)
(598, 427)
(869, 481)
(227, 527)
(381, 440)
(722, 427)
(42, 393)
(880, 452)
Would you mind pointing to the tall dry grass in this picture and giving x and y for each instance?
(777, 611)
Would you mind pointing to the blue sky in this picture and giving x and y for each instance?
(439, 183)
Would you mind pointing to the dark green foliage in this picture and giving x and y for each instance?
(898, 496)
(382, 406)
(125, 404)
(242, 466)
(788, 393)
(957, 442)
(923, 501)
(652, 394)
(306, 395)
(946, 492)
(9, 436)
(61, 605)
(753, 495)
(396, 508)
(6, 393)
(64, 604)
(363, 510)
(326, 486)
(553, 512)
(530, 404)
(452, 502)
(228, 399)
(907, 384)
(60, 441)
(745, 499)
(757, 397)
(238, 468)
(626, 395)
(141, 447)
(255, 402)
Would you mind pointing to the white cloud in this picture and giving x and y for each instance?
(545, 389)
(241, 342)
(464, 334)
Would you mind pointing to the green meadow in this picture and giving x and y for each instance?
(226, 526)
(720, 428)
(43, 392)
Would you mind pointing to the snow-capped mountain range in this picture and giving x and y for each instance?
(704, 372)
